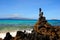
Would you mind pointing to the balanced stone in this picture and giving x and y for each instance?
(42, 22)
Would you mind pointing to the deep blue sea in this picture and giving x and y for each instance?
(22, 24)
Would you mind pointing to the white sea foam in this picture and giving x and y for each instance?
(2, 35)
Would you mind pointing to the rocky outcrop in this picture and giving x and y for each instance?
(8, 36)
(44, 28)
(1, 39)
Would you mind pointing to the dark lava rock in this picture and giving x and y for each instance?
(8, 36)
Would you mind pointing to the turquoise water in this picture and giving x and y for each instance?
(26, 22)
(17, 22)
(54, 22)
(22, 24)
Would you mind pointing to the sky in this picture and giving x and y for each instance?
(29, 8)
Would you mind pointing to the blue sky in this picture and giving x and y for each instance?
(29, 8)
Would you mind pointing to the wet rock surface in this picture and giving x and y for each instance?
(42, 31)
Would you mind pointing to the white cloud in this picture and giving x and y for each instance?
(14, 15)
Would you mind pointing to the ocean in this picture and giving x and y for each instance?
(9, 25)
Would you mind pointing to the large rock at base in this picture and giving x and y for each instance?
(8, 36)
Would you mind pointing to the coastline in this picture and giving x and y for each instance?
(13, 33)
(2, 35)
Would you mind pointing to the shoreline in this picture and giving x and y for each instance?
(3, 34)
(13, 33)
